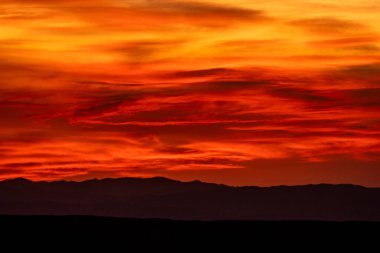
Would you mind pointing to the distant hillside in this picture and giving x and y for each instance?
(166, 198)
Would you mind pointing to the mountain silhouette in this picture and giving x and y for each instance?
(170, 199)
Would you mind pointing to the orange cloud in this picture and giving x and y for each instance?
(329, 25)
(190, 89)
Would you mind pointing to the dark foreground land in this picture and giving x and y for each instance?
(162, 198)
(148, 232)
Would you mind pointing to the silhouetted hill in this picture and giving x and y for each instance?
(170, 199)
(179, 235)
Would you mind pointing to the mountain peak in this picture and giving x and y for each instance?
(133, 179)
(163, 179)
(18, 180)
(160, 197)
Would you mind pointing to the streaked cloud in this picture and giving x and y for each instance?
(190, 89)
(329, 25)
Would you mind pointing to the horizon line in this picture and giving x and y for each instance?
(180, 181)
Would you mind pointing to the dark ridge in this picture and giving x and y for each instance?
(168, 180)
(165, 198)
(18, 180)
(92, 231)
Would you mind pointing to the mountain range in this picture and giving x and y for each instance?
(164, 198)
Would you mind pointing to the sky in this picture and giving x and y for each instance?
(264, 92)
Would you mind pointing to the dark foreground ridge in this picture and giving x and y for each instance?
(169, 199)
(94, 231)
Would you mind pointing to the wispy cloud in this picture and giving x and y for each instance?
(190, 89)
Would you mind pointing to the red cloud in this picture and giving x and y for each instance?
(188, 89)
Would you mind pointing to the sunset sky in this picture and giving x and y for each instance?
(240, 92)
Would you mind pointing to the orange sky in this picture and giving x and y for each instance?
(240, 92)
